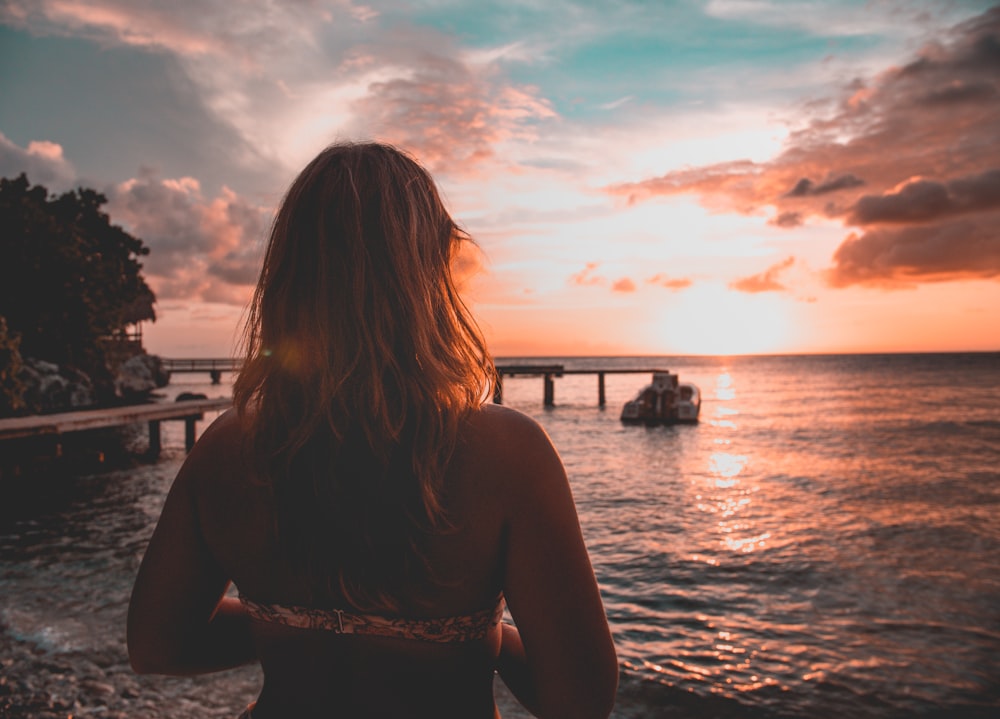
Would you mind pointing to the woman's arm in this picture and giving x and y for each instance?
(179, 621)
(560, 660)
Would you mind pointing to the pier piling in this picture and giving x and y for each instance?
(155, 441)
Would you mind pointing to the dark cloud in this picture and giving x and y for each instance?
(671, 283)
(787, 219)
(926, 200)
(923, 137)
(766, 281)
(806, 188)
(901, 257)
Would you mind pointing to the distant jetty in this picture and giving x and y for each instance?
(548, 373)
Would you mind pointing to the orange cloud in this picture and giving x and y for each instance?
(623, 285)
(671, 283)
(935, 118)
(766, 281)
(586, 277)
(896, 257)
(922, 200)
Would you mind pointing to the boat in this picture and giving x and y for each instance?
(666, 400)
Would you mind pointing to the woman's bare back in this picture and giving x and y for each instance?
(513, 531)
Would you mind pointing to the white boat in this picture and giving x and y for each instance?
(666, 400)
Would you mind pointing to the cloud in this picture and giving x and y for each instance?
(451, 114)
(42, 161)
(807, 188)
(246, 32)
(615, 104)
(912, 147)
(671, 283)
(787, 219)
(895, 258)
(920, 200)
(467, 264)
(586, 277)
(766, 281)
(200, 248)
(818, 18)
(290, 78)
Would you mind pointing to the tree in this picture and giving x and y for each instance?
(11, 387)
(70, 280)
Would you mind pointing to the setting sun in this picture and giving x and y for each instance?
(711, 319)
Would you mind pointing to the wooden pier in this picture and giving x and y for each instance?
(548, 373)
(214, 367)
(190, 411)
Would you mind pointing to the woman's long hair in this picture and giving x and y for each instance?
(361, 361)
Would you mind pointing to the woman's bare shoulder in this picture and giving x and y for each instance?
(509, 446)
(219, 449)
(496, 426)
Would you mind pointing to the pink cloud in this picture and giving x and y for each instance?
(42, 161)
(200, 248)
(449, 113)
(243, 30)
(130, 23)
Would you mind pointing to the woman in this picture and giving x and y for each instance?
(373, 511)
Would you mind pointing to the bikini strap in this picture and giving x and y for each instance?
(462, 628)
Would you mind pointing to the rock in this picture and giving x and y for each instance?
(49, 388)
(98, 688)
(140, 375)
(188, 396)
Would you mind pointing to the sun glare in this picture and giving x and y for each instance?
(713, 320)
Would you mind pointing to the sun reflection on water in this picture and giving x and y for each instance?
(724, 389)
(724, 464)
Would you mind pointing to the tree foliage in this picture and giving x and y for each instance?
(11, 387)
(70, 280)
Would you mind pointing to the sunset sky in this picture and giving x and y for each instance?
(642, 177)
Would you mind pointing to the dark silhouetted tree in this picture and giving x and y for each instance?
(70, 281)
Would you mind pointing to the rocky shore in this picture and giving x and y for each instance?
(48, 387)
(39, 684)
(36, 683)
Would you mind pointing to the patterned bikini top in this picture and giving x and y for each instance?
(462, 628)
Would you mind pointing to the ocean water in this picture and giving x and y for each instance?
(824, 542)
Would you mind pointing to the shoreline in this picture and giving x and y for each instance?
(40, 683)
